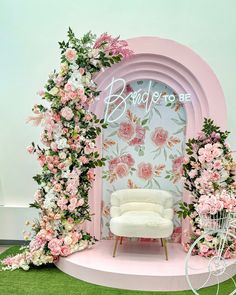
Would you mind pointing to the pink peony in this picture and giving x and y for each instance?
(67, 113)
(121, 170)
(159, 136)
(126, 131)
(145, 171)
(70, 54)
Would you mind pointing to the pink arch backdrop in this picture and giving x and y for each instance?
(178, 67)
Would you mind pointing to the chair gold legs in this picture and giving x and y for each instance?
(161, 242)
(165, 247)
(116, 243)
(121, 239)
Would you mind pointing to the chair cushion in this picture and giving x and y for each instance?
(146, 224)
(161, 197)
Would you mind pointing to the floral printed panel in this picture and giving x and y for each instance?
(144, 146)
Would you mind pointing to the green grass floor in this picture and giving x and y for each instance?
(48, 280)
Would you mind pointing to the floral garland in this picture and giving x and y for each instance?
(209, 174)
(69, 154)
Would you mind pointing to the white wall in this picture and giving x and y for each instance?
(29, 31)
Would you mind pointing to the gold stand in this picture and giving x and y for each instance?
(116, 243)
(165, 247)
(161, 242)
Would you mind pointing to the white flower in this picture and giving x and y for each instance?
(65, 173)
(62, 143)
(67, 240)
(62, 155)
(83, 244)
(75, 80)
(54, 91)
(50, 200)
(94, 53)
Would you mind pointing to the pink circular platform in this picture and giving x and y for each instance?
(138, 266)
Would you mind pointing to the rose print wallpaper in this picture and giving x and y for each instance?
(144, 146)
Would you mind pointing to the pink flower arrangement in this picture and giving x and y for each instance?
(209, 174)
(113, 46)
(69, 154)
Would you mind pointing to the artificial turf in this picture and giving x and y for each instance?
(48, 280)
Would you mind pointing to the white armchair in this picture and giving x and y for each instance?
(141, 213)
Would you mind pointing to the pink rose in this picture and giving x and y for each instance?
(41, 92)
(30, 149)
(88, 117)
(73, 204)
(217, 164)
(192, 173)
(203, 248)
(70, 54)
(121, 169)
(67, 113)
(68, 87)
(62, 203)
(159, 136)
(126, 131)
(127, 159)
(57, 187)
(80, 202)
(91, 175)
(56, 251)
(81, 71)
(145, 171)
(83, 160)
(65, 250)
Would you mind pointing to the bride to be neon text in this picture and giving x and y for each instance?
(119, 101)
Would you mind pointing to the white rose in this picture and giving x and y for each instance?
(62, 155)
(67, 240)
(54, 91)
